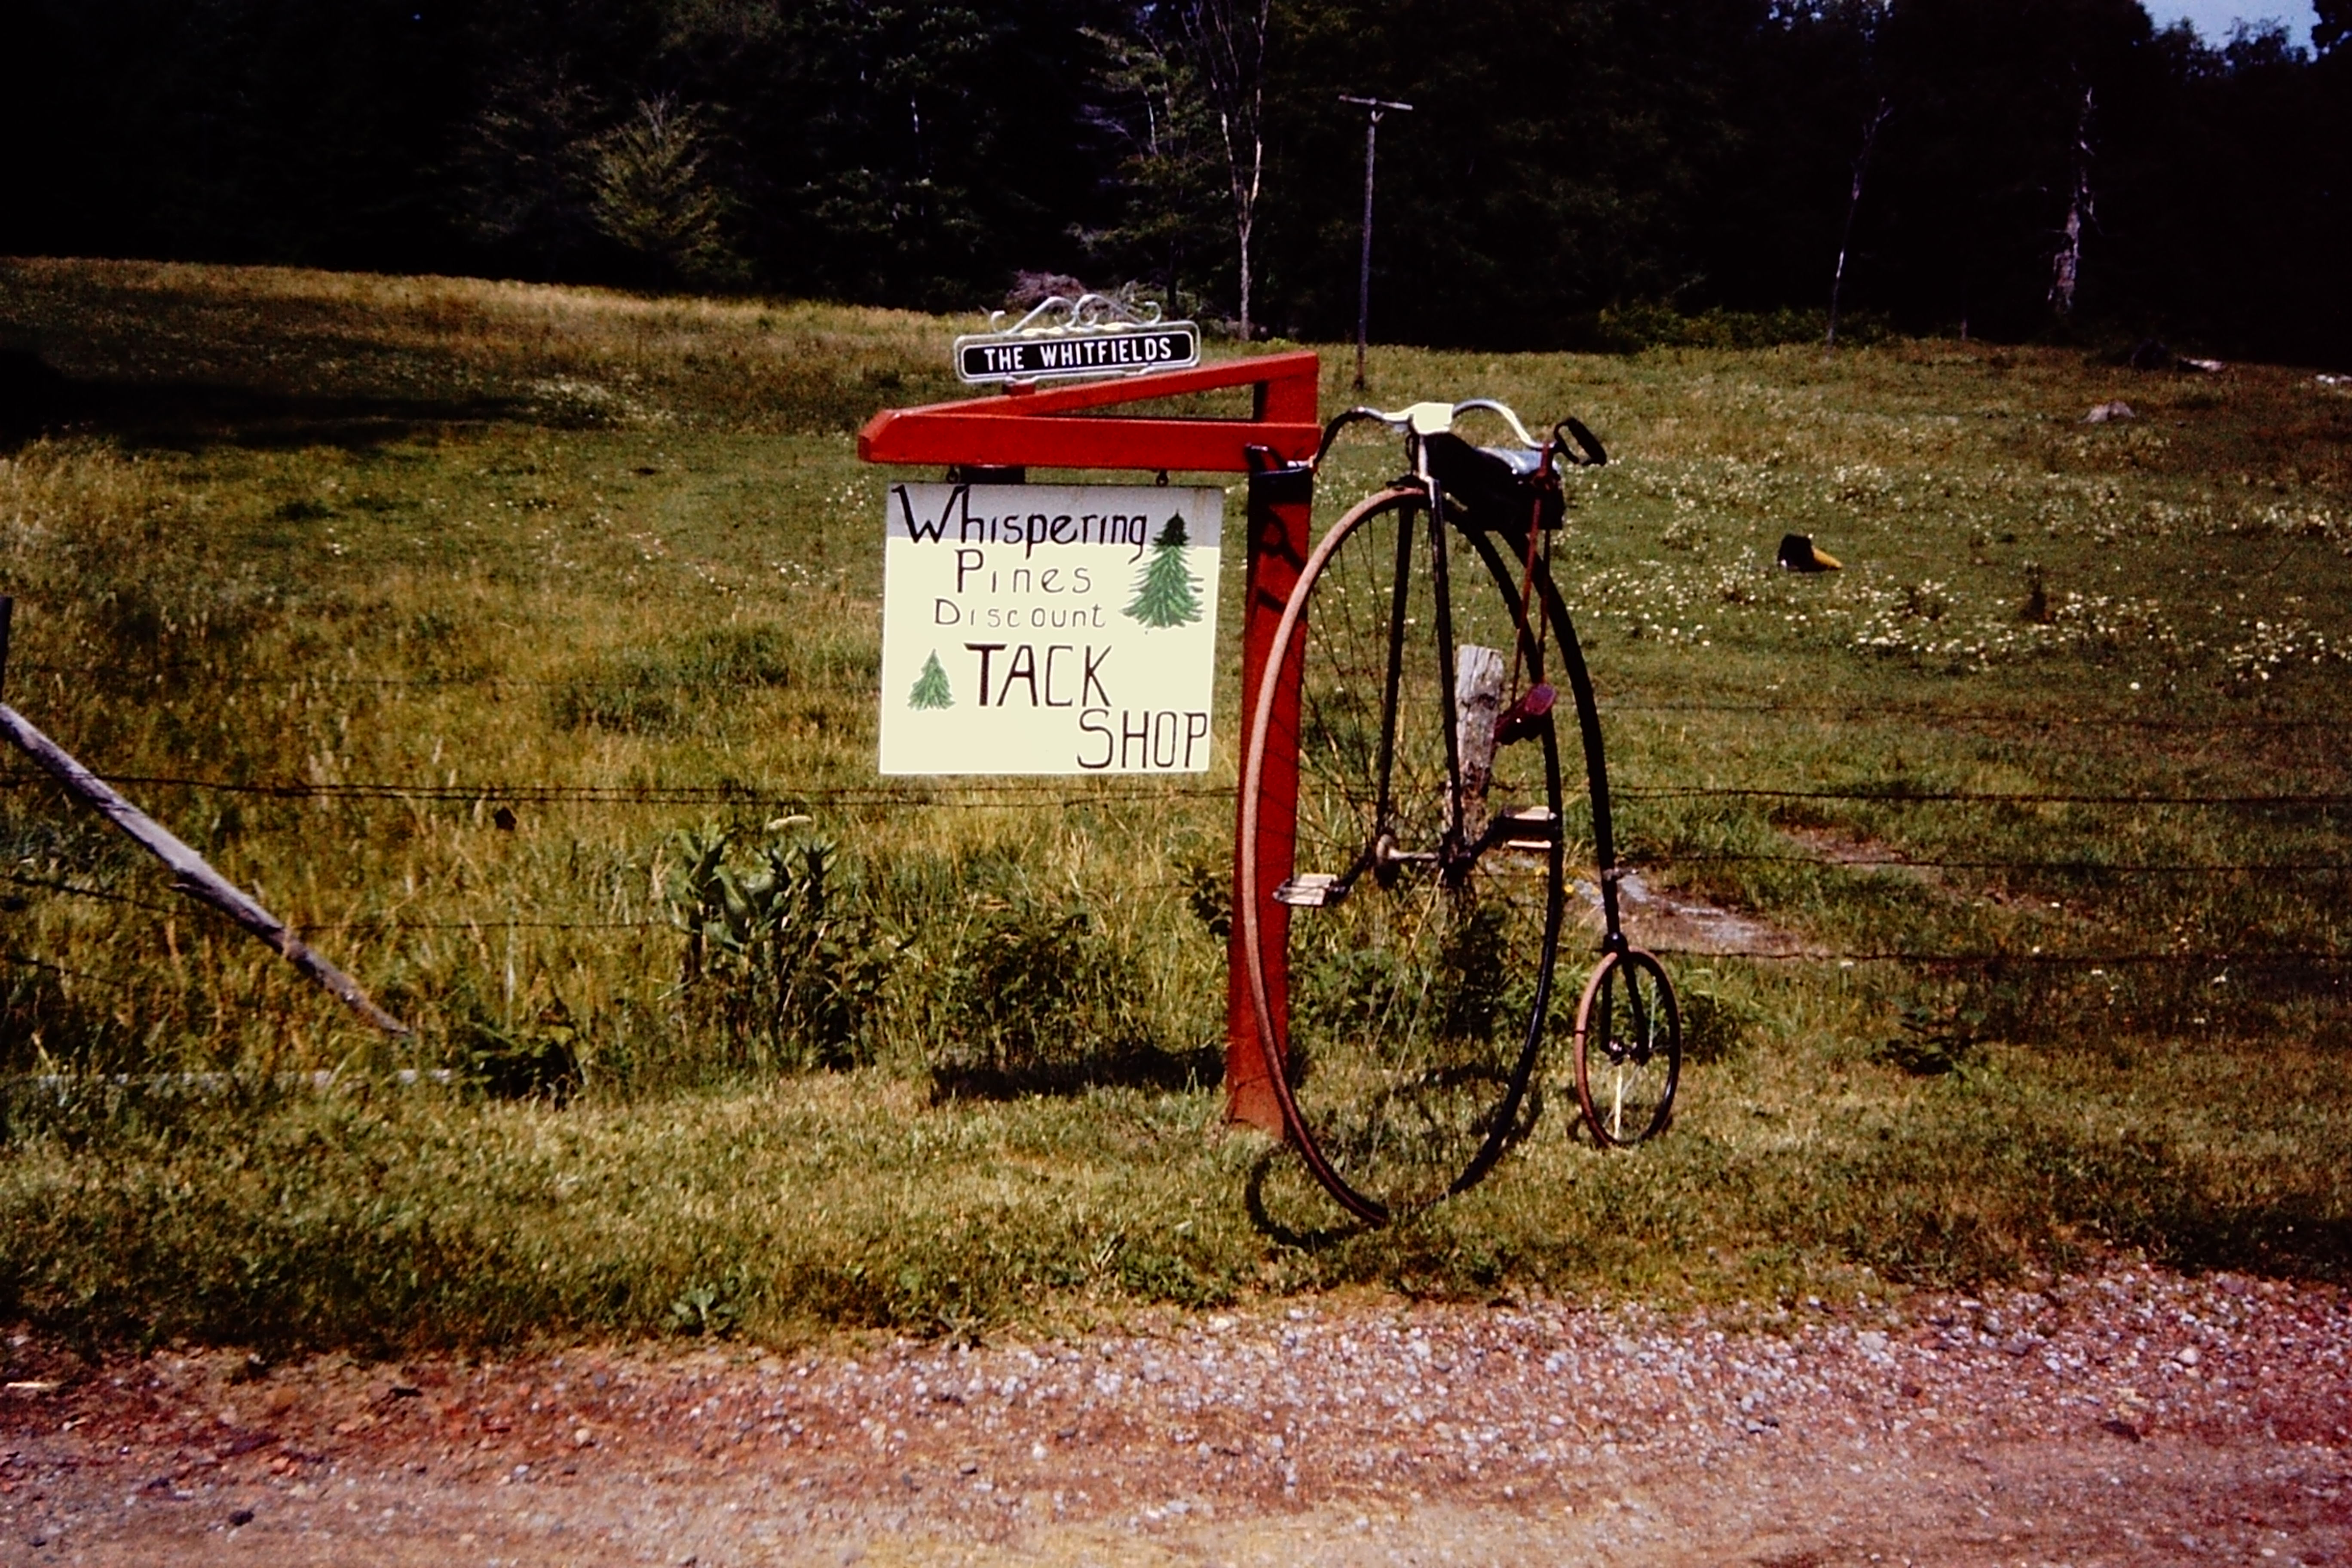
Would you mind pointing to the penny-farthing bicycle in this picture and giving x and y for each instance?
(1403, 990)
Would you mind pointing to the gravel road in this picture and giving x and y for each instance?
(2127, 1417)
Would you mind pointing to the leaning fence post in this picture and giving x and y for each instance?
(191, 873)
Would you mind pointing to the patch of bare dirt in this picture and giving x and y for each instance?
(1677, 922)
(2128, 1417)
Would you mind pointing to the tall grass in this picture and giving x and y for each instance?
(480, 540)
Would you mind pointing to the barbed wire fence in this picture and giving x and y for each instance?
(1002, 794)
(1057, 793)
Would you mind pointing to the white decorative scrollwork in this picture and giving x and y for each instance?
(1086, 311)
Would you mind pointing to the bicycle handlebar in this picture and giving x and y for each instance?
(1420, 419)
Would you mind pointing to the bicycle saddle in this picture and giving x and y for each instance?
(1495, 489)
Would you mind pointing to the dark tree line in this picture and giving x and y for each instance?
(2043, 166)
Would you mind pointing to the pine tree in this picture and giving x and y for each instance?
(932, 685)
(1167, 594)
(656, 196)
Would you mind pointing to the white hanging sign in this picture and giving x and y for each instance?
(1049, 628)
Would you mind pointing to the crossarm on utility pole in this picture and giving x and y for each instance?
(191, 874)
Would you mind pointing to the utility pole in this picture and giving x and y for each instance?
(1374, 108)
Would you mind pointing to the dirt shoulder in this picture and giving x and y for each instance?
(2131, 1417)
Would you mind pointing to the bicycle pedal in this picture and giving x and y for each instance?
(1310, 890)
(1527, 717)
(1535, 827)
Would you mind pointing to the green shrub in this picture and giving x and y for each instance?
(539, 1059)
(1040, 998)
(778, 959)
(1027, 984)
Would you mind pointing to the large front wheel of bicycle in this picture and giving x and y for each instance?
(1415, 944)
(1628, 1049)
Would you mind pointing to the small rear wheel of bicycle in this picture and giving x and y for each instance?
(1628, 1049)
(1415, 954)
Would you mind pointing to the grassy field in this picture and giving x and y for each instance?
(534, 595)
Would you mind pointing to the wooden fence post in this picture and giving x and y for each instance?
(190, 872)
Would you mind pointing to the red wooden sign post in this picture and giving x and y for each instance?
(1068, 428)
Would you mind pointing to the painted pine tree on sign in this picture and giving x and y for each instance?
(932, 685)
(1167, 594)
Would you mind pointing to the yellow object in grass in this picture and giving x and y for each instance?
(1798, 553)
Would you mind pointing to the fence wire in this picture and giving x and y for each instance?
(1057, 792)
(1879, 711)
(509, 792)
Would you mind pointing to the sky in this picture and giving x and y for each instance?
(2212, 18)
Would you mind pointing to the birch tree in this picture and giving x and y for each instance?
(1870, 131)
(2067, 266)
(1227, 40)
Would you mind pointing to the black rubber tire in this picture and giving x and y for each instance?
(1417, 1002)
(1628, 1049)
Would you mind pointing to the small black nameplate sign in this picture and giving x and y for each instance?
(1114, 351)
